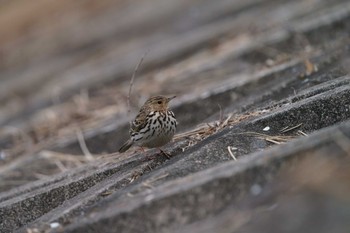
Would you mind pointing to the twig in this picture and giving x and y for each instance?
(83, 146)
(230, 152)
(221, 114)
(60, 165)
(302, 133)
(41, 176)
(148, 183)
(132, 80)
(273, 141)
(224, 124)
(106, 193)
(287, 129)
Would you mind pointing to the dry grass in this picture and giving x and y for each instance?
(62, 122)
(275, 139)
(206, 130)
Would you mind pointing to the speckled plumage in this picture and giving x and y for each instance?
(154, 125)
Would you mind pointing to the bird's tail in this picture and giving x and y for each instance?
(126, 146)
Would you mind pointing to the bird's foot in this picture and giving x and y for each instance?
(167, 155)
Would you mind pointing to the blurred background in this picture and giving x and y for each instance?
(62, 62)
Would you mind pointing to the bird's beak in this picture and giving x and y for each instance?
(170, 98)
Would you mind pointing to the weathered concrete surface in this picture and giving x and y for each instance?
(205, 193)
(282, 79)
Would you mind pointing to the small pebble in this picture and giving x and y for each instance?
(54, 224)
(267, 128)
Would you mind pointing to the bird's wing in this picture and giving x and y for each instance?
(139, 122)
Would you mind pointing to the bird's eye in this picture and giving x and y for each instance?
(159, 102)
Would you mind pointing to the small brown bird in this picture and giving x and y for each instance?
(154, 125)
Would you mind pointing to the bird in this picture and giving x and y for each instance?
(154, 125)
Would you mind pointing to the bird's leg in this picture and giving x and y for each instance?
(151, 157)
(141, 149)
(165, 153)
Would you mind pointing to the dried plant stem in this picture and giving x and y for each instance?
(83, 146)
(132, 80)
(229, 148)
